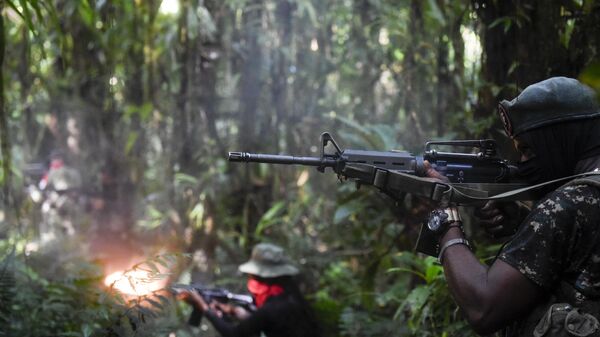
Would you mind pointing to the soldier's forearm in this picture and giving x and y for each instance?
(466, 277)
(481, 291)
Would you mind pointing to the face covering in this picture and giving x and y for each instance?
(558, 147)
(530, 170)
(262, 291)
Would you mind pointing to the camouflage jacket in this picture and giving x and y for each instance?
(556, 247)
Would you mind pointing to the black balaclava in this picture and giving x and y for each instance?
(559, 118)
(558, 148)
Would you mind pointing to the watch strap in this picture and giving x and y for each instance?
(453, 214)
(450, 243)
(449, 216)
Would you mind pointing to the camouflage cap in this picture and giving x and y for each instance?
(268, 260)
(555, 100)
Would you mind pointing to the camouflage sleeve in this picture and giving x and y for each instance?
(547, 238)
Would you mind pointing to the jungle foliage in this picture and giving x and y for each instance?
(144, 99)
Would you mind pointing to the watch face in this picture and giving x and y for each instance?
(436, 220)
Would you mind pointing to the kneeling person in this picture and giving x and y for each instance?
(281, 308)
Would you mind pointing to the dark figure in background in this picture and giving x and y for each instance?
(63, 204)
(546, 279)
(281, 308)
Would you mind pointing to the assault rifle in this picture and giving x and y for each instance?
(472, 177)
(214, 294)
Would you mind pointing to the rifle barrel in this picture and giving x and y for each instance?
(280, 159)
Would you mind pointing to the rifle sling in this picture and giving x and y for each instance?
(395, 182)
(524, 193)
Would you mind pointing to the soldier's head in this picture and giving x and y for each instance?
(554, 124)
(268, 261)
(56, 159)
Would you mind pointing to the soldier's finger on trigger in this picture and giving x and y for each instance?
(492, 222)
(487, 213)
(496, 230)
(487, 224)
(498, 219)
(489, 205)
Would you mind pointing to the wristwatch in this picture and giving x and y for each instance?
(440, 219)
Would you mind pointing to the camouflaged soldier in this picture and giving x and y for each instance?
(281, 308)
(546, 279)
(61, 207)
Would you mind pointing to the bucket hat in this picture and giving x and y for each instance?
(267, 261)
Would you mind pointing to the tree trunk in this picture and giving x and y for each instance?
(370, 63)
(136, 97)
(411, 77)
(279, 87)
(444, 85)
(211, 63)
(584, 45)
(528, 46)
(4, 135)
(251, 81)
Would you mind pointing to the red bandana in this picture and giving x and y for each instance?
(262, 291)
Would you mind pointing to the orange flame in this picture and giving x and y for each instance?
(134, 282)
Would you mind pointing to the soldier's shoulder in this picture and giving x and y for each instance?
(578, 192)
(569, 198)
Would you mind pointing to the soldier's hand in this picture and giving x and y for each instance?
(423, 206)
(192, 297)
(500, 219)
(430, 172)
(230, 310)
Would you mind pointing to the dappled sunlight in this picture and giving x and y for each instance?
(169, 7)
(473, 48)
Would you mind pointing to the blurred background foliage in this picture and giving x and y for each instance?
(143, 99)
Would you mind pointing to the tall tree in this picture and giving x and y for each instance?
(4, 136)
(526, 41)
